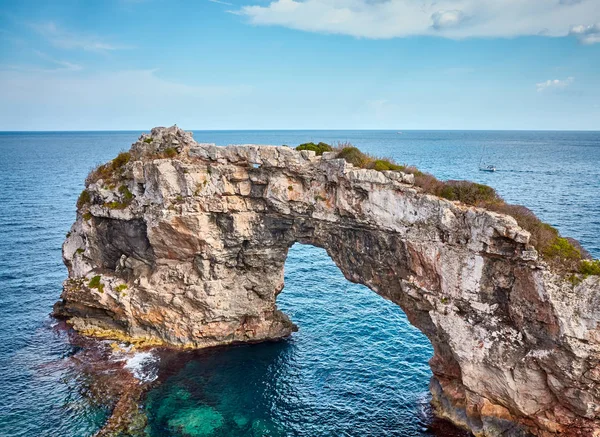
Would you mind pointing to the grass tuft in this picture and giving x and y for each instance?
(116, 205)
(127, 195)
(110, 170)
(170, 152)
(386, 164)
(359, 159)
(83, 199)
(95, 283)
(121, 159)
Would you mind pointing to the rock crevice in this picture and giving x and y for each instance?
(189, 241)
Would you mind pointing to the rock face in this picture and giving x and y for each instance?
(184, 244)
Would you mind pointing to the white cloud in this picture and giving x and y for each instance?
(587, 34)
(221, 2)
(64, 39)
(554, 84)
(444, 19)
(447, 18)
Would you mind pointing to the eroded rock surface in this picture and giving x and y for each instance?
(185, 245)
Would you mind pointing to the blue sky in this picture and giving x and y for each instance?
(300, 64)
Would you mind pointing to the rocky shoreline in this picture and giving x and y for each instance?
(183, 244)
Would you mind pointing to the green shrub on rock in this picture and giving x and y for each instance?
(562, 249)
(121, 159)
(467, 192)
(110, 170)
(170, 152)
(127, 195)
(384, 164)
(95, 283)
(116, 205)
(319, 149)
(84, 199)
(590, 267)
(354, 156)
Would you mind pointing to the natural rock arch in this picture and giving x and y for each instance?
(184, 244)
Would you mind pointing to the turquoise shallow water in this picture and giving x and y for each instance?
(355, 368)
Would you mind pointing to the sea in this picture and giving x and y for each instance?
(356, 367)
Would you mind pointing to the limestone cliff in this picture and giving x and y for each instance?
(184, 244)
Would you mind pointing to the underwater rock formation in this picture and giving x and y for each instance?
(183, 244)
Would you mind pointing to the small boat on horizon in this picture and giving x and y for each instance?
(489, 168)
(483, 166)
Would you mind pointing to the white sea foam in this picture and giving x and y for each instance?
(143, 365)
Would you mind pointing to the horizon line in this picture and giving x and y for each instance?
(303, 129)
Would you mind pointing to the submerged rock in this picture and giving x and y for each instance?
(183, 244)
(200, 421)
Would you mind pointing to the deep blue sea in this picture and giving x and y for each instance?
(355, 368)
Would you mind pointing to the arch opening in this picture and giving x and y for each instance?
(355, 367)
(355, 349)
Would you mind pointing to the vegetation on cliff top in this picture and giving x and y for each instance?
(359, 159)
(110, 170)
(317, 148)
(562, 253)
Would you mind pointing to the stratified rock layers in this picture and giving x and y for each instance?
(189, 250)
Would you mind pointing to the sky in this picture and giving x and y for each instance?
(300, 64)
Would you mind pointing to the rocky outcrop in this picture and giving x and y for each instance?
(184, 244)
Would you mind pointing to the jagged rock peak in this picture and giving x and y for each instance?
(184, 244)
(161, 138)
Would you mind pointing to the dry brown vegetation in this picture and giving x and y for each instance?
(110, 170)
(564, 254)
(170, 152)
